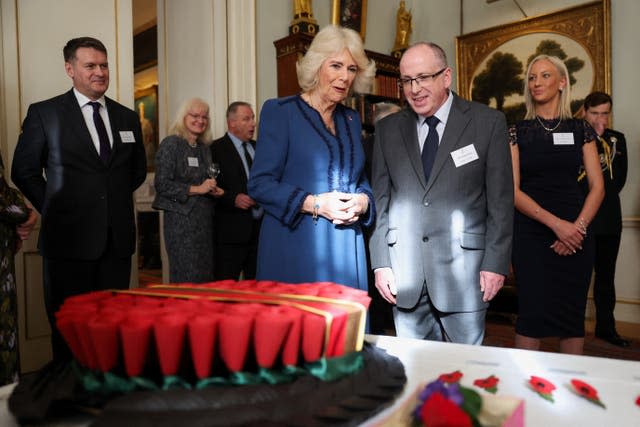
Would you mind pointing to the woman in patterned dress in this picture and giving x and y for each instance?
(16, 222)
(186, 194)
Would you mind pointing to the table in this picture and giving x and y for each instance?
(617, 381)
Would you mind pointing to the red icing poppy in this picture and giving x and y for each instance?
(585, 390)
(541, 385)
(452, 377)
(638, 401)
(490, 382)
(271, 329)
(169, 331)
(438, 411)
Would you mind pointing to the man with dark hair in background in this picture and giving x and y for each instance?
(607, 224)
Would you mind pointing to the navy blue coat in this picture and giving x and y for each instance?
(297, 156)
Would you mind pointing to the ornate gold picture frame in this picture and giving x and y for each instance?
(146, 105)
(491, 63)
(350, 14)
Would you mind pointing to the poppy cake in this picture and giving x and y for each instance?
(222, 353)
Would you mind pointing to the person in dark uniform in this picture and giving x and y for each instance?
(607, 224)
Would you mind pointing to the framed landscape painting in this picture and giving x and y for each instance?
(492, 63)
(146, 105)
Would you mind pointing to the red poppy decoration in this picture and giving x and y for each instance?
(587, 391)
(543, 387)
(450, 378)
(489, 384)
(638, 401)
(438, 411)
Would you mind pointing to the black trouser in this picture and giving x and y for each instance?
(67, 277)
(233, 258)
(604, 291)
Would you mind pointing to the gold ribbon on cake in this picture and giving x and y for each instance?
(265, 327)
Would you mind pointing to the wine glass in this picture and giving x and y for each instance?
(213, 170)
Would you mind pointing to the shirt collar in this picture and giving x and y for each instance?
(443, 112)
(84, 100)
(236, 141)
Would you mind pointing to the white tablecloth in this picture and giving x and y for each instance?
(617, 381)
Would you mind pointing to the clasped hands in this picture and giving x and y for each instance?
(208, 186)
(570, 236)
(341, 208)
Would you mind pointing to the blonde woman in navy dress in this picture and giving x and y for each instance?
(308, 171)
(553, 252)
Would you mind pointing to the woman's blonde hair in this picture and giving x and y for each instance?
(178, 127)
(329, 41)
(565, 93)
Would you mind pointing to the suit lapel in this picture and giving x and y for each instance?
(79, 127)
(116, 127)
(409, 136)
(456, 124)
(233, 153)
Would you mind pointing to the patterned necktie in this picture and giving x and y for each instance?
(430, 147)
(103, 136)
(247, 156)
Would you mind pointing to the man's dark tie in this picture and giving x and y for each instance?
(103, 136)
(247, 156)
(430, 147)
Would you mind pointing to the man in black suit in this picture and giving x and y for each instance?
(91, 151)
(607, 224)
(237, 217)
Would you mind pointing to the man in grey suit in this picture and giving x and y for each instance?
(79, 159)
(442, 241)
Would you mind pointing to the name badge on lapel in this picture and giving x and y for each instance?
(192, 162)
(464, 155)
(563, 138)
(127, 137)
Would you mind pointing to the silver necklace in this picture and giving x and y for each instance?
(546, 128)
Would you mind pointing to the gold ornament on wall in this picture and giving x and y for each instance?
(403, 30)
(303, 20)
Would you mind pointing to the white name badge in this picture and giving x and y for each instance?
(564, 138)
(193, 162)
(127, 137)
(464, 155)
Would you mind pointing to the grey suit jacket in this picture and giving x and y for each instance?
(445, 231)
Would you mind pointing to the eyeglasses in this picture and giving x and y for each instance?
(198, 116)
(421, 80)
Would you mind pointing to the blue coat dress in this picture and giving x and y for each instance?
(297, 156)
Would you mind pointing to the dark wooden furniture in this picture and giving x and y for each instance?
(289, 49)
